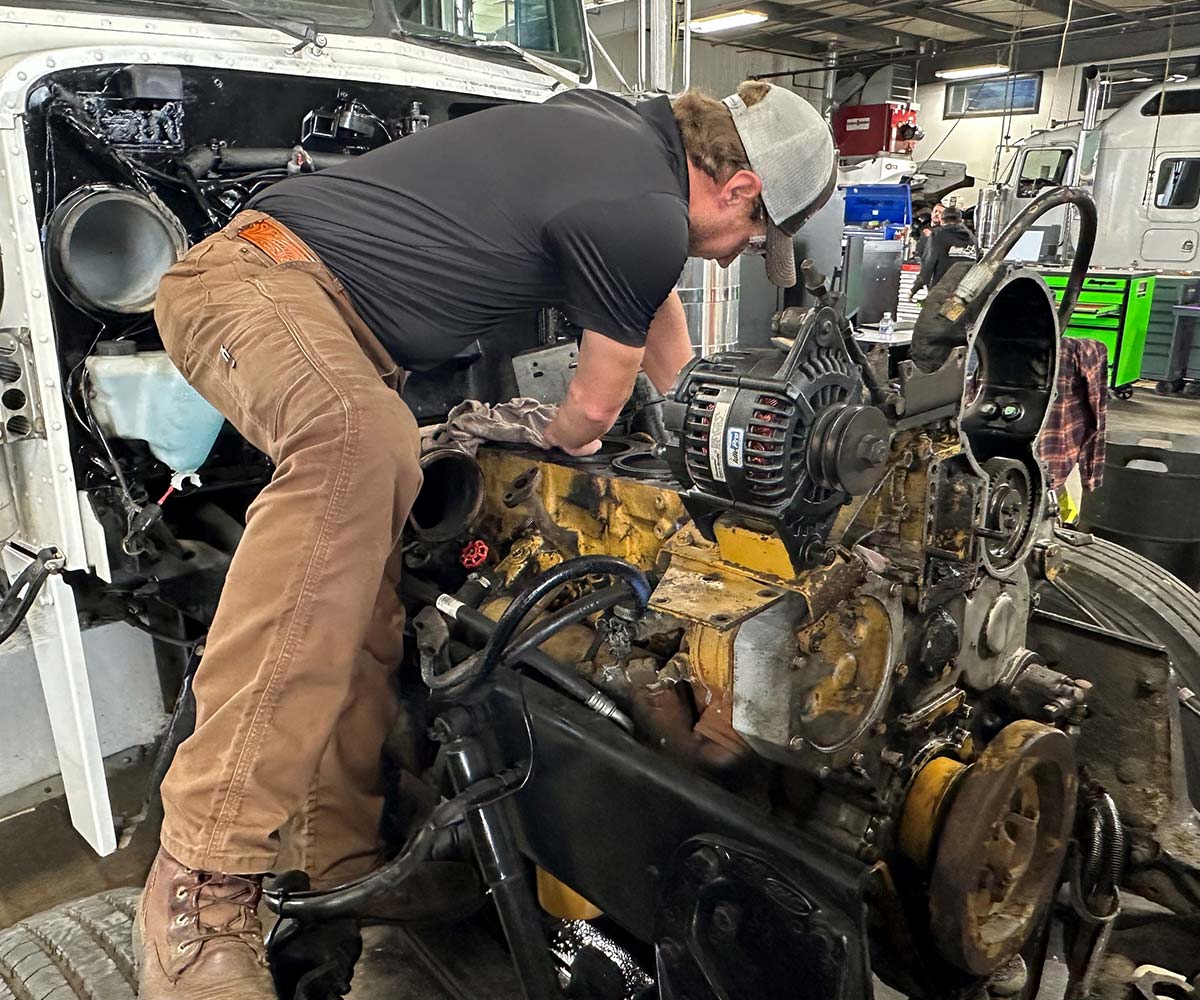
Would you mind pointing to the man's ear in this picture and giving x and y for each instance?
(741, 189)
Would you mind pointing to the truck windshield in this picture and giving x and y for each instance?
(552, 28)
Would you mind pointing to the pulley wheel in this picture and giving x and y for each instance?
(848, 448)
(1002, 845)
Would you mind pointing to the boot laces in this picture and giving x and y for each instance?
(238, 895)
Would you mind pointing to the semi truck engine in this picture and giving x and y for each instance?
(842, 630)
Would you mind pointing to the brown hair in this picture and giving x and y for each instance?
(709, 135)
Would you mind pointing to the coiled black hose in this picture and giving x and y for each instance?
(1094, 866)
(565, 572)
(543, 630)
(481, 627)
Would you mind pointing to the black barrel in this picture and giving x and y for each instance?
(1150, 500)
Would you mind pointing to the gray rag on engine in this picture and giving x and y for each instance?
(470, 424)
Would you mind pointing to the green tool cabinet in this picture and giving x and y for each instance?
(1114, 308)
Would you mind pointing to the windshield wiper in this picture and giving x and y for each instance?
(305, 32)
(545, 66)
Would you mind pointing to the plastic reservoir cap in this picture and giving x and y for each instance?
(116, 348)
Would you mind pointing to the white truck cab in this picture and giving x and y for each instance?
(130, 130)
(1143, 166)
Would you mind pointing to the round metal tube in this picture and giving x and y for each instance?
(450, 498)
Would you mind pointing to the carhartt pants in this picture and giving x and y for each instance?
(293, 693)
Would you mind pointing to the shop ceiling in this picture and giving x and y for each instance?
(1024, 34)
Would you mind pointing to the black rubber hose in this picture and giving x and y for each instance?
(15, 605)
(202, 159)
(347, 900)
(1051, 199)
(1115, 868)
(564, 572)
(544, 629)
(481, 628)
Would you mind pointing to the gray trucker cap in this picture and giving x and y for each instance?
(790, 147)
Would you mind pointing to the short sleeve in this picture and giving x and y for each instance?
(618, 260)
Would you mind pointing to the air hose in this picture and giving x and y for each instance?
(573, 569)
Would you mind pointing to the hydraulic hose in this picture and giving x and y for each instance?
(19, 599)
(980, 279)
(1051, 199)
(481, 628)
(565, 572)
(351, 898)
(543, 630)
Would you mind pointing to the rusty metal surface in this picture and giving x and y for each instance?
(1002, 846)
(717, 598)
(606, 512)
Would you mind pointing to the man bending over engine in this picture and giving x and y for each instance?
(298, 321)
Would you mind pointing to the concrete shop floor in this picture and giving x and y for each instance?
(43, 862)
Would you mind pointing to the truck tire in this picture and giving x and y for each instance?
(1127, 593)
(80, 950)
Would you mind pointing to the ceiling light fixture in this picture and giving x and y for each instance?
(727, 21)
(971, 72)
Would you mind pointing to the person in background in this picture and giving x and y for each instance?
(922, 229)
(950, 242)
(938, 214)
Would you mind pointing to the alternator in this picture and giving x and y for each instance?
(782, 439)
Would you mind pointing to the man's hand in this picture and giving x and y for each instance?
(603, 381)
(584, 449)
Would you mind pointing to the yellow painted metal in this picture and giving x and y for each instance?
(561, 901)
(609, 514)
(924, 806)
(710, 656)
(753, 550)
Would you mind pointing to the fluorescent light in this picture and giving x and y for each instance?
(970, 72)
(1140, 79)
(727, 21)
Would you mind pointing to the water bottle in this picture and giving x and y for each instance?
(886, 326)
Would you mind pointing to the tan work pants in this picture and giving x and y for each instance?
(293, 694)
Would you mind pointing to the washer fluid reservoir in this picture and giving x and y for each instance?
(142, 395)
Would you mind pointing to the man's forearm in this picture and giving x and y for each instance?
(602, 383)
(668, 346)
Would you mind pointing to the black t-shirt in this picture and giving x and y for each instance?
(442, 236)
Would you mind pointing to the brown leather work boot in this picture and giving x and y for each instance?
(198, 937)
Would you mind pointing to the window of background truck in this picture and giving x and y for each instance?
(1178, 184)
